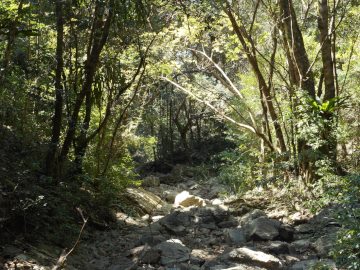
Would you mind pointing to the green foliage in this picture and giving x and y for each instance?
(342, 193)
(239, 169)
(328, 106)
(142, 148)
(106, 188)
(347, 250)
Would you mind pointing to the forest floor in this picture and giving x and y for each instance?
(183, 223)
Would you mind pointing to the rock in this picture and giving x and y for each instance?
(300, 246)
(165, 209)
(203, 215)
(228, 224)
(196, 261)
(170, 196)
(251, 216)
(202, 255)
(119, 263)
(184, 199)
(217, 201)
(156, 218)
(143, 199)
(173, 251)
(237, 267)
(210, 226)
(235, 236)
(192, 267)
(138, 250)
(176, 222)
(150, 240)
(219, 267)
(218, 233)
(156, 228)
(262, 228)
(220, 214)
(325, 244)
(286, 233)
(151, 256)
(310, 264)
(151, 181)
(277, 248)
(305, 228)
(302, 236)
(257, 258)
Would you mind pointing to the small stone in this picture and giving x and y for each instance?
(216, 201)
(286, 233)
(314, 264)
(210, 226)
(235, 236)
(258, 258)
(151, 256)
(184, 199)
(146, 217)
(173, 251)
(277, 248)
(151, 240)
(228, 224)
(300, 246)
(156, 218)
(170, 196)
(262, 228)
(304, 228)
(251, 216)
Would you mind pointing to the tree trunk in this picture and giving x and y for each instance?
(245, 39)
(99, 38)
(300, 64)
(81, 141)
(51, 158)
(326, 52)
(329, 148)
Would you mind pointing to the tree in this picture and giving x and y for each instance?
(52, 159)
(277, 51)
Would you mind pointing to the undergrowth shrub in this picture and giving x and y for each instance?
(347, 250)
(239, 169)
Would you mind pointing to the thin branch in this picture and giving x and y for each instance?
(349, 62)
(232, 87)
(254, 16)
(62, 259)
(249, 127)
(222, 114)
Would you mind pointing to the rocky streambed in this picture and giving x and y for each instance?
(184, 224)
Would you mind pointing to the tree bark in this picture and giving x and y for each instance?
(329, 148)
(301, 76)
(326, 51)
(51, 158)
(299, 60)
(100, 35)
(250, 52)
